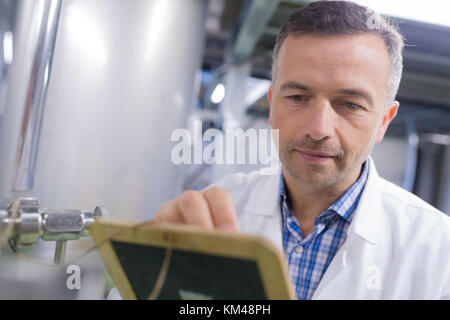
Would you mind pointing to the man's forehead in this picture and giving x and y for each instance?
(349, 59)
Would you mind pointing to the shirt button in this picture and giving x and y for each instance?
(299, 249)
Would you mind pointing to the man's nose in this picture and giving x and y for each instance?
(319, 122)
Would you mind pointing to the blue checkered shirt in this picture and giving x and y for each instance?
(310, 256)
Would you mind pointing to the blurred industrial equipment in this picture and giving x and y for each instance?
(90, 92)
(23, 223)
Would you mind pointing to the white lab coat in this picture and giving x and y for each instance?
(397, 247)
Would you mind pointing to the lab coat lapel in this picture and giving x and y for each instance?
(346, 276)
(262, 214)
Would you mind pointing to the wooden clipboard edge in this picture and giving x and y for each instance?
(277, 284)
(112, 263)
(194, 239)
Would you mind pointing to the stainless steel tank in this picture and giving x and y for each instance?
(92, 94)
(124, 75)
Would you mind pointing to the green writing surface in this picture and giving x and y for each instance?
(190, 275)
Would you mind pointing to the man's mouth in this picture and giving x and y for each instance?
(314, 156)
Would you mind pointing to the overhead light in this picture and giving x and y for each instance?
(218, 94)
(431, 11)
(8, 47)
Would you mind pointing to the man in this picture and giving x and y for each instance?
(346, 232)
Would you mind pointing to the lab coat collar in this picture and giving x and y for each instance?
(266, 195)
(364, 224)
(366, 220)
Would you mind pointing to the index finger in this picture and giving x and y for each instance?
(221, 207)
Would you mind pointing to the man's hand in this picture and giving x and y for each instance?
(210, 208)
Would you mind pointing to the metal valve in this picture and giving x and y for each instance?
(30, 223)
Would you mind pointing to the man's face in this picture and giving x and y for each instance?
(328, 101)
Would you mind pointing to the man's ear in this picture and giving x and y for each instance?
(269, 98)
(387, 118)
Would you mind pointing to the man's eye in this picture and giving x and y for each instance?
(352, 106)
(297, 98)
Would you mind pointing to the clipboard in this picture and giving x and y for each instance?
(180, 262)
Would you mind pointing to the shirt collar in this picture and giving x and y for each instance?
(345, 205)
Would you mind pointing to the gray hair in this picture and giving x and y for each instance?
(336, 18)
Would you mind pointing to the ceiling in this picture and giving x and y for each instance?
(245, 30)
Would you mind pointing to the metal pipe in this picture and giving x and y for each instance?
(60, 252)
(47, 17)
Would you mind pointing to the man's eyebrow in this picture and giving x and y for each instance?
(294, 86)
(357, 93)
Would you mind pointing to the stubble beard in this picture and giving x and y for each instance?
(314, 175)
